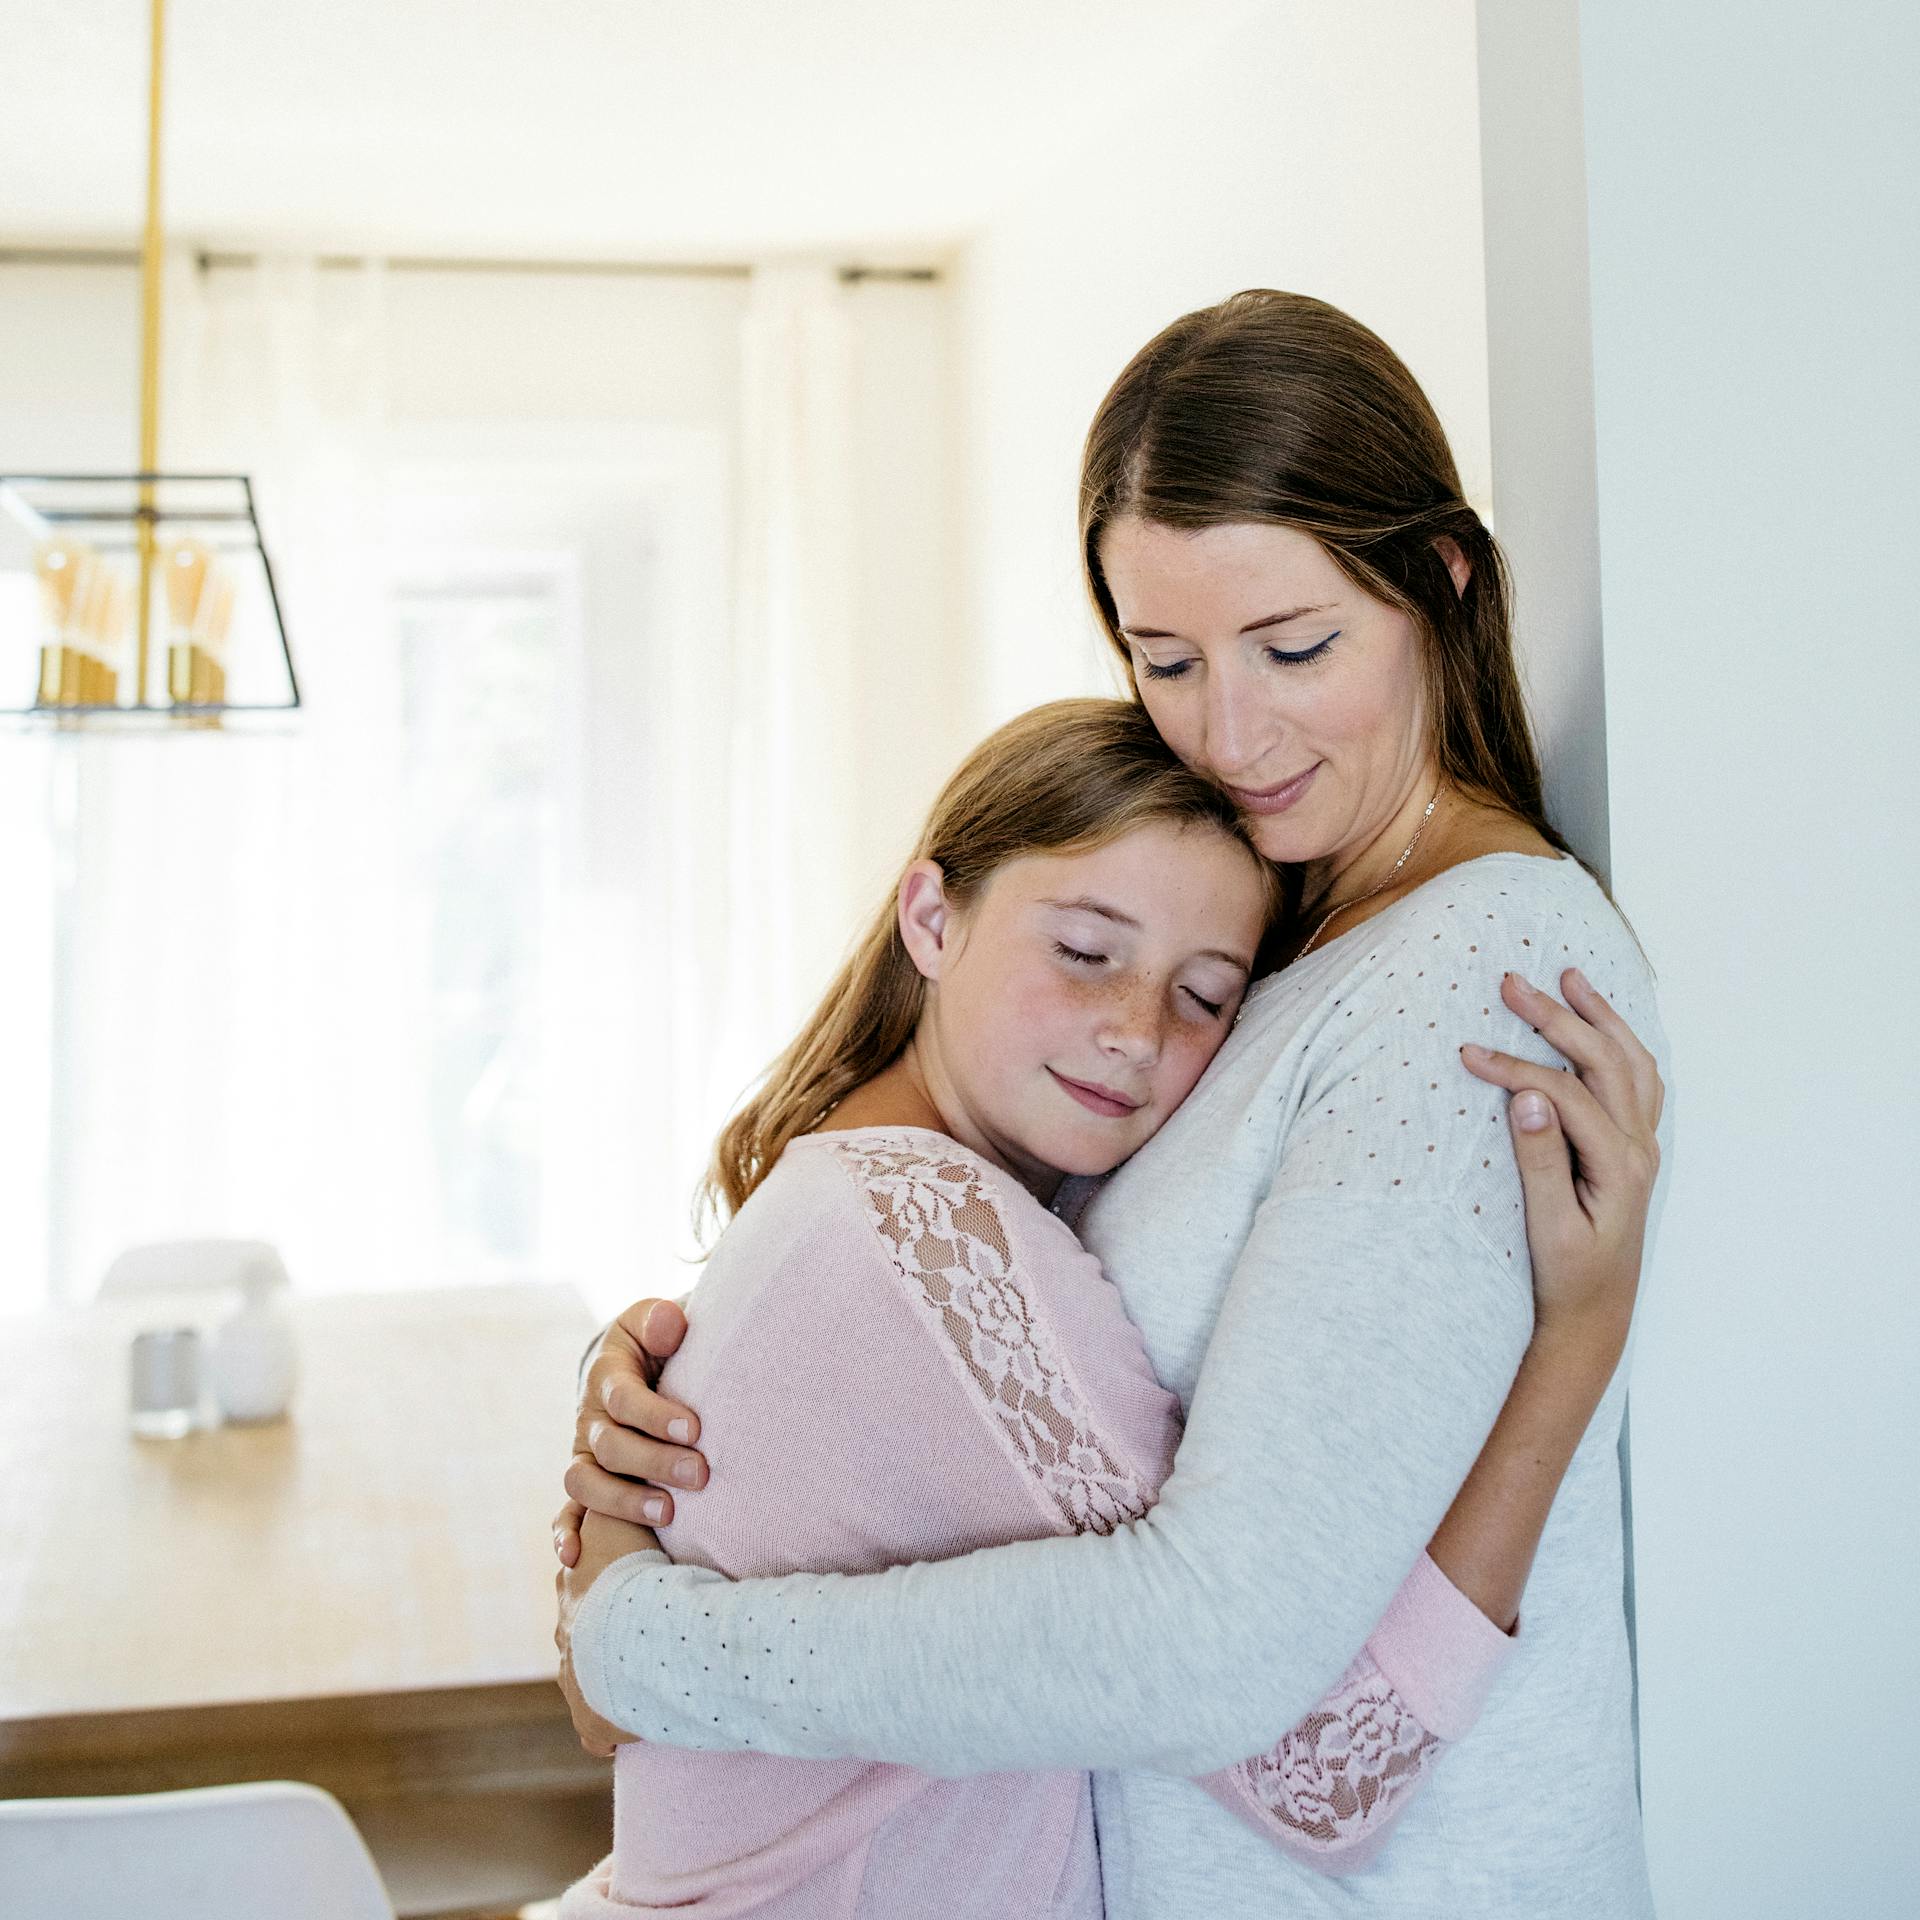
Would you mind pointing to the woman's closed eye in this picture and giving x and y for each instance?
(1299, 656)
(1215, 1008)
(1074, 953)
(1280, 656)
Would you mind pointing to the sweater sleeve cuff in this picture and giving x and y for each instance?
(592, 1644)
(1438, 1651)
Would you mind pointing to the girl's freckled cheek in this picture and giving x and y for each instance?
(1038, 997)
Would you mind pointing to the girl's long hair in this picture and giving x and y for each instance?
(1064, 778)
(1276, 407)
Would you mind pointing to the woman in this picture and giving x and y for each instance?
(1323, 1249)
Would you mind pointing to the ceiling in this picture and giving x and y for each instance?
(707, 130)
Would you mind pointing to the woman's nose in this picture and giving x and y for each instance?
(1233, 729)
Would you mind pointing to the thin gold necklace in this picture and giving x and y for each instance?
(1406, 855)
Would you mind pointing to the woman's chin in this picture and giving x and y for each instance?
(1283, 841)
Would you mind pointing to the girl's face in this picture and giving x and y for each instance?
(1072, 1004)
(1264, 666)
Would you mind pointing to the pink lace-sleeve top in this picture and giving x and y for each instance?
(900, 1356)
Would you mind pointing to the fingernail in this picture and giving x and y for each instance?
(1530, 1112)
(1474, 1048)
(656, 1510)
(679, 1430)
(685, 1472)
(1581, 977)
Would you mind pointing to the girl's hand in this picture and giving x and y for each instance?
(1587, 1153)
(626, 1438)
(1588, 1156)
(601, 1543)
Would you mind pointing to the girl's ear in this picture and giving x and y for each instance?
(926, 917)
(1457, 563)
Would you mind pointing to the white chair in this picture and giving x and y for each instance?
(192, 1266)
(270, 1850)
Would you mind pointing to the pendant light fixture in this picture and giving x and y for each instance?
(142, 598)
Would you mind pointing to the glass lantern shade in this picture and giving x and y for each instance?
(137, 598)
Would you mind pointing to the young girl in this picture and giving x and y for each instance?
(902, 1354)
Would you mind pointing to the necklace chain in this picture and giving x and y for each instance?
(1393, 875)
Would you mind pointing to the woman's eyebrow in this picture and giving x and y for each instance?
(1252, 626)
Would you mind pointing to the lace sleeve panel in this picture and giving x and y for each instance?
(947, 1242)
(1329, 1792)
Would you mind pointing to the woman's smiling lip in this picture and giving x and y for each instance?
(1274, 799)
(1098, 1099)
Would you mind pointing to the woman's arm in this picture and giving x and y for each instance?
(1366, 1346)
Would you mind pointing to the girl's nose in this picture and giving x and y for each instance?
(1134, 1029)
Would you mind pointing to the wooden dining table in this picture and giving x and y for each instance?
(359, 1594)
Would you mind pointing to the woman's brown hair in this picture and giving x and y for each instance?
(1065, 778)
(1276, 407)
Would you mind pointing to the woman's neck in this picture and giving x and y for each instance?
(1331, 885)
(1350, 894)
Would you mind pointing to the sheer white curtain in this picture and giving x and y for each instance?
(258, 995)
(794, 751)
(230, 1027)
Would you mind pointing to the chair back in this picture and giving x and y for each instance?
(191, 1266)
(269, 1848)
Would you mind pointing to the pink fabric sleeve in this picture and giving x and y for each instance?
(1329, 1793)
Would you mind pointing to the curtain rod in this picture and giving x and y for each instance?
(207, 258)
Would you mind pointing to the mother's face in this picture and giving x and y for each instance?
(1264, 666)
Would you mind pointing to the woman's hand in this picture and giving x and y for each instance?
(1588, 1156)
(600, 1544)
(625, 1456)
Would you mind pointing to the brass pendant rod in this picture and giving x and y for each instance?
(152, 264)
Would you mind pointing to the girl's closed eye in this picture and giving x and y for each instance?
(1074, 953)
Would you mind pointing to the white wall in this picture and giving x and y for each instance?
(1755, 194)
(1328, 150)
(1540, 392)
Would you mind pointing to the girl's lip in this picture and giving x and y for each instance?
(1275, 799)
(1097, 1099)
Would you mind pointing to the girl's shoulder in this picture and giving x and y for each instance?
(843, 1213)
(898, 1178)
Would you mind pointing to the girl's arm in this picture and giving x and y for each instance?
(1332, 1790)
